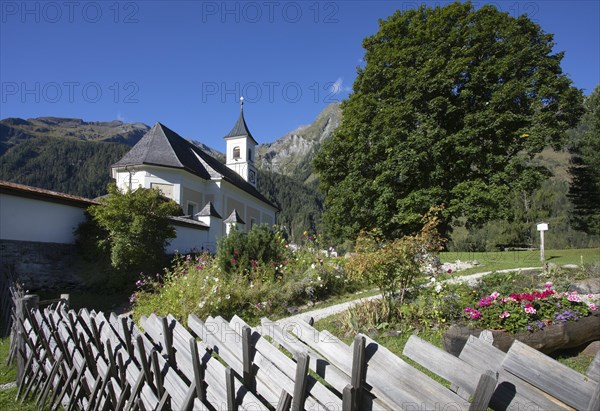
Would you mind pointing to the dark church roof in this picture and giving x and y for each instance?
(209, 211)
(163, 147)
(240, 128)
(234, 217)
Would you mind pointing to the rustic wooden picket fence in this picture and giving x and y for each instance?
(90, 361)
(10, 291)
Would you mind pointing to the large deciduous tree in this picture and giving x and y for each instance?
(449, 108)
(584, 191)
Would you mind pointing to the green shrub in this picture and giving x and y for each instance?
(238, 253)
(198, 285)
(128, 231)
(435, 304)
(395, 266)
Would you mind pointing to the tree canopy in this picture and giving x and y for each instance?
(584, 191)
(134, 227)
(450, 107)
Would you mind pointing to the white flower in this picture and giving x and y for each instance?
(438, 288)
(201, 304)
(432, 280)
(227, 297)
(312, 266)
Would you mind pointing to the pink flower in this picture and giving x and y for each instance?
(505, 314)
(473, 314)
(529, 309)
(573, 297)
(592, 307)
(495, 294)
(548, 285)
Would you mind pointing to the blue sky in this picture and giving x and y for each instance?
(185, 63)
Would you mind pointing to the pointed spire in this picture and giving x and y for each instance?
(240, 128)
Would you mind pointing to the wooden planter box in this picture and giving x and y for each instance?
(552, 338)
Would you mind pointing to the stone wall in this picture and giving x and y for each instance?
(41, 266)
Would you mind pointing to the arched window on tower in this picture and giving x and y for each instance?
(236, 152)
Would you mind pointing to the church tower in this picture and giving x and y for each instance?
(241, 149)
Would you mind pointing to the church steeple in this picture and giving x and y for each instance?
(241, 148)
(241, 128)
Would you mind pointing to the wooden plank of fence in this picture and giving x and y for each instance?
(484, 391)
(265, 349)
(50, 382)
(593, 370)
(283, 374)
(391, 376)
(340, 358)
(285, 401)
(199, 371)
(359, 371)
(299, 396)
(511, 391)
(442, 363)
(214, 376)
(319, 364)
(340, 355)
(230, 384)
(168, 340)
(248, 357)
(126, 370)
(228, 345)
(549, 375)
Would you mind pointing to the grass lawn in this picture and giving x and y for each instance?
(8, 375)
(502, 260)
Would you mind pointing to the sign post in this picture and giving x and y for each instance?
(541, 228)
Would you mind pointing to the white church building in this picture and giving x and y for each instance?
(214, 196)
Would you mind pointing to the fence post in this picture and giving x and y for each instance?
(300, 382)
(25, 304)
(66, 299)
(248, 356)
(359, 370)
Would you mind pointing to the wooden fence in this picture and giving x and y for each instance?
(90, 361)
(10, 291)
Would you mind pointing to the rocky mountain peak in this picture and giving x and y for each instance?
(296, 149)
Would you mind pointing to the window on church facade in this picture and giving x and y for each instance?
(236, 152)
(191, 208)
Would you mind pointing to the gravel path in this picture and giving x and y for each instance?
(320, 313)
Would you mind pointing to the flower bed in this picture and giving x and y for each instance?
(544, 319)
(530, 311)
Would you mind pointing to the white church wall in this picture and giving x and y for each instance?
(190, 239)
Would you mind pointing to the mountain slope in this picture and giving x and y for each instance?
(292, 154)
(64, 154)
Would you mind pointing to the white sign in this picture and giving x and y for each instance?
(542, 226)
